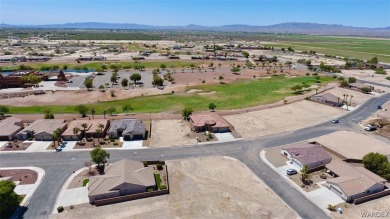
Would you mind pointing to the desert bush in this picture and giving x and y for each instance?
(60, 209)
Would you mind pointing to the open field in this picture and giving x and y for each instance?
(280, 119)
(239, 94)
(362, 48)
(210, 187)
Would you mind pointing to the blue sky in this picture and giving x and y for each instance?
(362, 13)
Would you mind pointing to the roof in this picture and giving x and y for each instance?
(10, 125)
(123, 171)
(328, 97)
(134, 126)
(44, 126)
(92, 125)
(308, 153)
(209, 118)
(352, 180)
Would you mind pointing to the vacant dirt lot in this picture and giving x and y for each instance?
(355, 211)
(353, 145)
(367, 75)
(170, 133)
(210, 187)
(285, 118)
(357, 99)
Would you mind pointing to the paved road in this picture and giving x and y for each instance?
(59, 166)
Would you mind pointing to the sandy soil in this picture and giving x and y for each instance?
(356, 211)
(367, 75)
(25, 176)
(353, 145)
(357, 99)
(170, 133)
(211, 187)
(286, 118)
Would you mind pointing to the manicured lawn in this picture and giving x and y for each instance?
(85, 182)
(96, 65)
(240, 94)
(157, 177)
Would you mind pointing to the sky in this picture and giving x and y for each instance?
(360, 13)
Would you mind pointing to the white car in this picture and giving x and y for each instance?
(370, 128)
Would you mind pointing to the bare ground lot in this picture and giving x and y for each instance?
(357, 99)
(210, 187)
(352, 144)
(170, 133)
(355, 211)
(367, 75)
(286, 118)
(25, 176)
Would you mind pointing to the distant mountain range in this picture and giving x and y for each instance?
(292, 27)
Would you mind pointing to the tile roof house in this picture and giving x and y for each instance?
(90, 130)
(209, 121)
(130, 129)
(124, 177)
(309, 154)
(353, 182)
(9, 128)
(327, 98)
(41, 129)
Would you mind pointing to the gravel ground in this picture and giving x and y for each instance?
(170, 133)
(211, 187)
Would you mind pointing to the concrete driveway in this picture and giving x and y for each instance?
(38, 146)
(131, 144)
(322, 197)
(74, 197)
(224, 137)
(69, 146)
(24, 189)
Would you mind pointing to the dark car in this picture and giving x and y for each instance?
(335, 121)
(379, 107)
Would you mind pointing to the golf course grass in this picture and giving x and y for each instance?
(239, 94)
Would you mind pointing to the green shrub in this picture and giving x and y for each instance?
(159, 166)
(85, 182)
(60, 209)
(162, 187)
(116, 143)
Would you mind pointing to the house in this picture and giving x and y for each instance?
(89, 130)
(328, 99)
(310, 154)
(124, 177)
(129, 129)
(209, 121)
(9, 128)
(41, 129)
(352, 182)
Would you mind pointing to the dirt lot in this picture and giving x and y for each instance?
(170, 133)
(285, 118)
(357, 99)
(353, 145)
(211, 187)
(367, 75)
(355, 211)
(25, 176)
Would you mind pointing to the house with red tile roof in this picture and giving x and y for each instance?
(209, 121)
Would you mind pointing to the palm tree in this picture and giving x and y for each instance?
(93, 113)
(98, 132)
(350, 101)
(101, 126)
(304, 174)
(84, 125)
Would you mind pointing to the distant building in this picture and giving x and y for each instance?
(41, 129)
(88, 132)
(9, 128)
(12, 58)
(38, 58)
(328, 99)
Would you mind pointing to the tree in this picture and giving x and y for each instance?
(351, 80)
(56, 135)
(93, 113)
(88, 82)
(111, 110)
(212, 106)
(163, 66)
(9, 199)
(84, 126)
(99, 156)
(102, 88)
(343, 83)
(126, 108)
(157, 81)
(3, 110)
(366, 90)
(305, 174)
(245, 54)
(374, 161)
(124, 82)
(82, 109)
(49, 115)
(186, 113)
(297, 88)
(65, 67)
(76, 130)
(235, 69)
(113, 78)
(135, 77)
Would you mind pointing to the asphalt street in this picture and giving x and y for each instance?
(59, 166)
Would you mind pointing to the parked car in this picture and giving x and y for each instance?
(291, 172)
(69, 82)
(370, 128)
(58, 149)
(379, 107)
(335, 121)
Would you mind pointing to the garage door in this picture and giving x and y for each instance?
(337, 192)
(296, 164)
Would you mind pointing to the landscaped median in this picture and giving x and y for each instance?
(239, 94)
